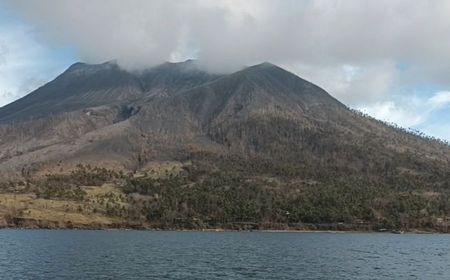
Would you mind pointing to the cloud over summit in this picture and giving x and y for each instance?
(230, 32)
(361, 51)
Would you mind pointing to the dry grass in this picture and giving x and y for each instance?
(91, 210)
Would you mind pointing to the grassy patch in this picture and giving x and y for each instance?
(93, 209)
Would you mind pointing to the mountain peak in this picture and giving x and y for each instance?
(269, 69)
(265, 64)
(261, 117)
(186, 131)
(187, 65)
(78, 67)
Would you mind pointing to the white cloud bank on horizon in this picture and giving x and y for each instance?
(361, 51)
(24, 63)
(374, 36)
(228, 33)
(413, 112)
(13, 56)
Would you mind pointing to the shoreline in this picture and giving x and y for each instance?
(222, 230)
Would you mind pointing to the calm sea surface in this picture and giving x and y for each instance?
(42, 254)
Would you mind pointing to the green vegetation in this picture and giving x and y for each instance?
(214, 199)
(202, 196)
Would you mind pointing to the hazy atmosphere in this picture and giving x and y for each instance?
(387, 58)
(224, 139)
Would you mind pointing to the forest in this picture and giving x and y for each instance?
(204, 195)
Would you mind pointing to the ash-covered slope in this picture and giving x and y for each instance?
(261, 120)
(84, 86)
(80, 86)
(169, 78)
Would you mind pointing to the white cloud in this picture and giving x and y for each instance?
(361, 51)
(3, 53)
(440, 99)
(230, 33)
(404, 115)
(23, 62)
(352, 84)
(351, 48)
(413, 112)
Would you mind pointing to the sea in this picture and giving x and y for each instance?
(129, 254)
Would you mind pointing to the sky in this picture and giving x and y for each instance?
(387, 58)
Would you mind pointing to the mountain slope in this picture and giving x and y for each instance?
(247, 146)
(263, 111)
(84, 86)
(80, 86)
(170, 78)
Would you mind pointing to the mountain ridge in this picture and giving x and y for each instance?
(176, 147)
(178, 100)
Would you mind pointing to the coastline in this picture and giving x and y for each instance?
(142, 227)
(418, 232)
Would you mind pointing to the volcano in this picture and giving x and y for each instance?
(261, 120)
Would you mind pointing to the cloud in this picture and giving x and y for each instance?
(414, 111)
(229, 33)
(24, 63)
(440, 99)
(363, 52)
(405, 115)
(351, 84)
(313, 38)
(3, 53)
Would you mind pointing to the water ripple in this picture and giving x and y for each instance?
(41, 254)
